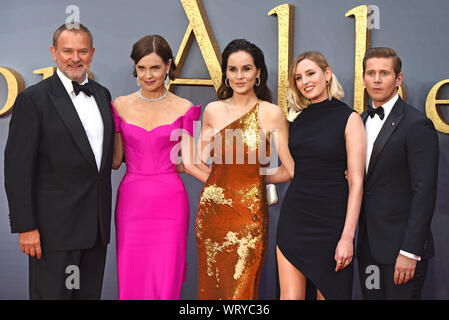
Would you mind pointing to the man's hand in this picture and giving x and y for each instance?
(404, 269)
(30, 243)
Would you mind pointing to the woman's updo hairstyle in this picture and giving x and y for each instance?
(157, 44)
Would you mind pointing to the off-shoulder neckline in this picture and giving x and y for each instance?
(159, 126)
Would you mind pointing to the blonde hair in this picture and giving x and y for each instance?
(295, 100)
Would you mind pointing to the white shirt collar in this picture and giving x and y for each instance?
(67, 82)
(388, 106)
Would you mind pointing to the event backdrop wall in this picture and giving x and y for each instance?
(417, 29)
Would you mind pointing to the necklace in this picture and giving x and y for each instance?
(155, 99)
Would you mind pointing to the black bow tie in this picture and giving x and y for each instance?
(379, 110)
(86, 88)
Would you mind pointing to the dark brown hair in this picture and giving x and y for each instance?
(383, 52)
(157, 44)
(64, 26)
(262, 91)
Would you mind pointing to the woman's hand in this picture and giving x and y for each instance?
(344, 253)
(277, 175)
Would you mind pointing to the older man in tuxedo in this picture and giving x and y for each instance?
(395, 240)
(58, 161)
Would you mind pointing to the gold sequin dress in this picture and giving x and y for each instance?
(232, 219)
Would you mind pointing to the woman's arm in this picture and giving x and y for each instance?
(190, 159)
(118, 151)
(206, 137)
(356, 149)
(277, 126)
(279, 175)
(118, 155)
(195, 157)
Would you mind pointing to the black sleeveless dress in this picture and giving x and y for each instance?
(314, 208)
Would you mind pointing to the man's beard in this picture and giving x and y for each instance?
(74, 75)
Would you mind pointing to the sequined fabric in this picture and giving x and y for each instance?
(232, 219)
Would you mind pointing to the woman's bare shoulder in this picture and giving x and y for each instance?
(215, 105)
(122, 102)
(180, 103)
(271, 110)
(213, 111)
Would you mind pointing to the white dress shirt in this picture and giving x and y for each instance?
(89, 114)
(373, 127)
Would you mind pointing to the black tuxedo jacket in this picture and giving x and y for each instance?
(51, 177)
(400, 186)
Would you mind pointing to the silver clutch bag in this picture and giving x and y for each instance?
(272, 194)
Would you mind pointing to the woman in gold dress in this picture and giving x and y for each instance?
(232, 220)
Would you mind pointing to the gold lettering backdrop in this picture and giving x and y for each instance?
(199, 28)
(15, 84)
(433, 110)
(286, 15)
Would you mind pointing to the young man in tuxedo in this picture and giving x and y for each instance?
(58, 161)
(395, 241)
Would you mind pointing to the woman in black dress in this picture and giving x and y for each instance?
(320, 210)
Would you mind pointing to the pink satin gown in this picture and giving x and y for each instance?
(152, 212)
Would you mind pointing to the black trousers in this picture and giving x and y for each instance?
(377, 280)
(68, 275)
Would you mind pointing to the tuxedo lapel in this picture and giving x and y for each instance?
(66, 110)
(364, 116)
(390, 124)
(104, 107)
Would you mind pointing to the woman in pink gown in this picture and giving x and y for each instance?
(152, 208)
